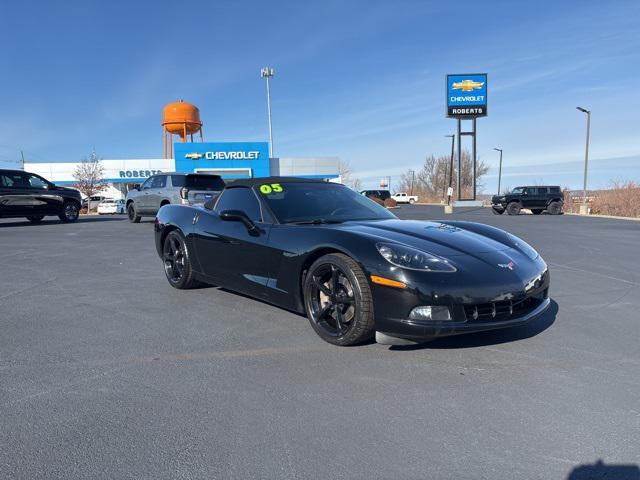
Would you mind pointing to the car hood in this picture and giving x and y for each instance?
(433, 237)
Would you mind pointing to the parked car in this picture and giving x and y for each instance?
(92, 202)
(402, 197)
(111, 207)
(379, 194)
(535, 198)
(402, 281)
(24, 194)
(171, 188)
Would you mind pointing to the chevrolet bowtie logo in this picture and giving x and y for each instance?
(467, 85)
(194, 155)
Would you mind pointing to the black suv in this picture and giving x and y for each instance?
(380, 194)
(537, 199)
(24, 194)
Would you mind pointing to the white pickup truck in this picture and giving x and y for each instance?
(402, 197)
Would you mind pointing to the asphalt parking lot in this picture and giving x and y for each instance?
(108, 372)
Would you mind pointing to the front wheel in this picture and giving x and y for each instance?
(338, 300)
(177, 262)
(70, 212)
(513, 208)
(35, 218)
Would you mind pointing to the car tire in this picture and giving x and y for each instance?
(35, 218)
(536, 211)
(514, 208)
(70, 212)
(176, 259)
(554, 208)
(496, 211)
(338, 300)
(412, 201)
(133, 214)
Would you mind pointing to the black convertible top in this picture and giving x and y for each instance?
(252, 182)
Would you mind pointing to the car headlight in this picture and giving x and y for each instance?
(413, 259)
(524, 247)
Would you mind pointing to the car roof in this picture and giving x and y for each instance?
(252, 182)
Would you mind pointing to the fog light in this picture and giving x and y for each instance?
(430, 312)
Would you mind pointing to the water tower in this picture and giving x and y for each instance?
(182, 119)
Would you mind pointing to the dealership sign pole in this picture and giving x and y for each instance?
(467, 100)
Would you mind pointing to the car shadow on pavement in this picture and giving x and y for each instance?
(600, 470)
(492, 337)
(8, 222)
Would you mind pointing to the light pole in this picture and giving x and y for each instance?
(413, 176)
(585, 209)
(499, 168)
(450, 189)
(267, 72)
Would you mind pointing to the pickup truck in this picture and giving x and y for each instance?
(402, 197)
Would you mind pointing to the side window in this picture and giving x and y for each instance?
(177, 180)
(147, 183)
(6, 180)
(554, 189)
(159, 182)
(241, 198)
(36, 182)
(542, 190)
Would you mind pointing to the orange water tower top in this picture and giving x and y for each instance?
(182, 119)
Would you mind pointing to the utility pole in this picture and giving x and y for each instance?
(450, 189)
(585, 206)
(267, 72)
(499, 169)
(413, 177)
(22, 155)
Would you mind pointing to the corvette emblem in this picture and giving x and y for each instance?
(509, 265)
(467, 85)
(194, 156)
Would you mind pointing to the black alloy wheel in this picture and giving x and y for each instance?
(132, 214)
(554, 208)
(70, 212)
(177, 262)
(35, 218)
(338, 300)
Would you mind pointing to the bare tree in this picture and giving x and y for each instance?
(89, 176)
(432, 180)
(346, 175)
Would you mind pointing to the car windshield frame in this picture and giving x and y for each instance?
(367, 209)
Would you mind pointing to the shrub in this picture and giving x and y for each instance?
(622, 200)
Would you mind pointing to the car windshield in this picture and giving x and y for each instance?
(518, 190)
(319, 202)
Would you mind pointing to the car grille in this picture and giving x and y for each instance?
(501, 311)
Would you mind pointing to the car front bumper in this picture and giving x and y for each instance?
(475, 305)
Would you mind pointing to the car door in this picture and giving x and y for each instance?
(31, 196)
(143, 202)
(155, 195)
(227, 252)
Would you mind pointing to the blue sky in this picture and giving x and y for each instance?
(360, 80)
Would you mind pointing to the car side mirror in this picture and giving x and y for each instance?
(240, 216)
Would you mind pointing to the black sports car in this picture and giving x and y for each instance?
(354, 268)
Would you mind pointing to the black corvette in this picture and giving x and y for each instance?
(354, 268)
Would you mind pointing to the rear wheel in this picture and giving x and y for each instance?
(412, 201)
(133, 214)
(70, 212)
(338, 300)
(514, 208)
(554, 208)
(177, 262)
(536, 211)
(35, 218)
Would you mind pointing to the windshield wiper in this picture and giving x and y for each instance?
(318, 221)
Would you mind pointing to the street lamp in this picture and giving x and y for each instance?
(267, 72)
(413, 176)
(499, 169)
(450, 189)
(585, 209)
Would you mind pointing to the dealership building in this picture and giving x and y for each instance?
(230, 160)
